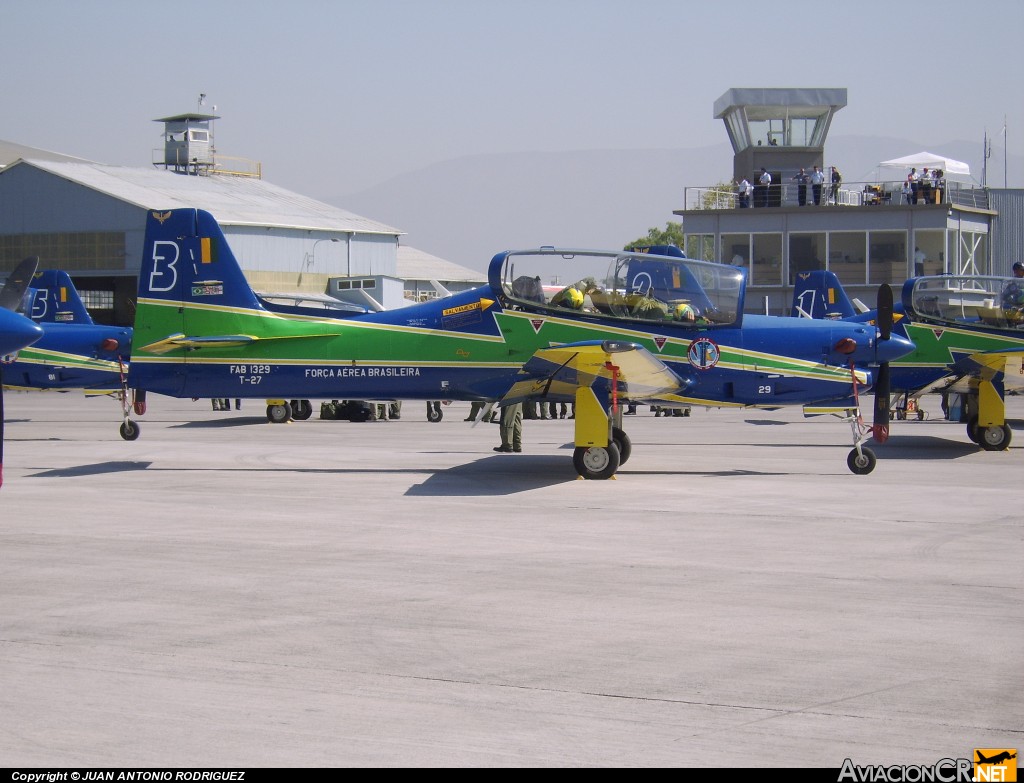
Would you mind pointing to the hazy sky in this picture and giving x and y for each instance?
(334, 97)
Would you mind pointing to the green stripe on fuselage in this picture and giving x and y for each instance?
(365, 340)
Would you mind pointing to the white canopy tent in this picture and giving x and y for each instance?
(953, 169)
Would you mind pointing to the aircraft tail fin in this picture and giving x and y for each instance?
(186, 259)
(192, 294)
(56, 300)
(819, 294)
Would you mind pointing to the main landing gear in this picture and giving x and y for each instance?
(602, 446)
(279, 411)
(986, 415)
(283, 411)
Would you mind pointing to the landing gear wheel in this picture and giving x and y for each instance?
(861, 462)
(434, 415)
(279, 414)
(972, 430)
(922, 414)
(301, 409)
(622, 441)
(994, 438)
(129, 430)
(596, 462)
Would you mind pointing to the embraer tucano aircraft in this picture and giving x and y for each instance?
(968, 332)
(635, 326)
(74, 353)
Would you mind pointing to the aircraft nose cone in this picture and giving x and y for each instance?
(16, 332)
(896, 347)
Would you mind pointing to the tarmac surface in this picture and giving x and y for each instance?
(227, 592)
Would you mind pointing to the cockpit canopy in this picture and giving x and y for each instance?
(634, 286)
(997, 302)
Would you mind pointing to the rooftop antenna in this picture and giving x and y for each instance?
(1004, 150)
(986, 153)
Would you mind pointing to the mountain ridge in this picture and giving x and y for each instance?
(467, 209)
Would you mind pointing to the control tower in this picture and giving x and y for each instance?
(188, 143)
(778, 128)
(189, 149)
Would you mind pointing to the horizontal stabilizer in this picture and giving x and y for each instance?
(168, 344)
(220, 341)
(829, 410)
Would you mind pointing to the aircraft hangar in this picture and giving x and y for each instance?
(89, 219)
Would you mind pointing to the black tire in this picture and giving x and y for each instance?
(972, 430)
(994, 438)
(301, 409)
(596, 462)
(279, 414)
(129, 430)
(862, 462)
(434, 415)
(624, 444)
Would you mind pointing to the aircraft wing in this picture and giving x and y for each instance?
(989, 363)
(557, 372)
(968, 366)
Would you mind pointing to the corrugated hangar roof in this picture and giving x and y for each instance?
(11, 152)
(414, 264)
(240, 201)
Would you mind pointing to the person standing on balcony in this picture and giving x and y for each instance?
(801, 187)
(924, 186)
(837, 179)
(817, 180)
(912, 180)
(764, 183)
(743, 193)
(937, 175)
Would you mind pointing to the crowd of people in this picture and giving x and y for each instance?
(925, 187)
(749, 194)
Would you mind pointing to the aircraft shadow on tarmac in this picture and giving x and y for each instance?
(213, 424)
(508, 475)
(93, 469)
(485, 477)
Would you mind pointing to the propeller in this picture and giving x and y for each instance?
(880, 423)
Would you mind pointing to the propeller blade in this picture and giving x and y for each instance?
(880, 425)
(884, 311)
(17, 283)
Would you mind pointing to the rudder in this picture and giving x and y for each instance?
(56, 300)
(819, 294)
(186, 258)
